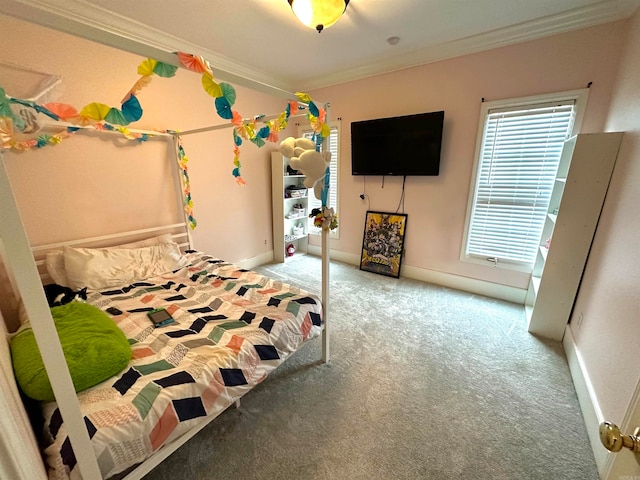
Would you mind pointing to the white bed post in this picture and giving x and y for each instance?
(20, 260)
(325, 294)
(325, 236)
(326, 257)
(181, 185)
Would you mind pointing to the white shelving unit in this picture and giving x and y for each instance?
(576, 201)
(290, 224)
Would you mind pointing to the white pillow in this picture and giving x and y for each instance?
(99, 268)
(55, 267)
(54, 259)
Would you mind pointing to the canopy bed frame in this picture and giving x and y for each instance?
(26, 280)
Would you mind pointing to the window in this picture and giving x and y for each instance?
(520, 143)
(333, 146)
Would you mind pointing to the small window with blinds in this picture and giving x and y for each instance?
(332, 200)
(516, 166)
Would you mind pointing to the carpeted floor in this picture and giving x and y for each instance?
(424, 382)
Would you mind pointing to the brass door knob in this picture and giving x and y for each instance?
(613, 440)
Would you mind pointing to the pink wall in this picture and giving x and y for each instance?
(608, 337)
(437, 207)
(90, 186)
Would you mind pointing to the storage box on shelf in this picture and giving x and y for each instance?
(290, 202)
(578, 194)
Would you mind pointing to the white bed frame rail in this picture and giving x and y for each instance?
(180, 233)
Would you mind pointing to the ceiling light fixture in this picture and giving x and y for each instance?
(318, 14)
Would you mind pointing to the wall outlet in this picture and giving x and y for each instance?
(265, 242)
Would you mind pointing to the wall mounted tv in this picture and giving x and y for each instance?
(407, 145)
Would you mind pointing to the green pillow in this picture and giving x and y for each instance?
(93, 345)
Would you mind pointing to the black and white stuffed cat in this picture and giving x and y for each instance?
(58, 295)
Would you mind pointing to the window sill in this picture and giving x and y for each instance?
(504, 265)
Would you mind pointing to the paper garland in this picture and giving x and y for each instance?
(188, 202)
(103, 117)
(225, 97)
(43, 140)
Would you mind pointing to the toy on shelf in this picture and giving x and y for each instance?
(304, 158)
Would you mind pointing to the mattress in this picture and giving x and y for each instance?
(232, 328)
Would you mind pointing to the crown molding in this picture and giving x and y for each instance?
(80, 18)
(92, 22)
(596, 14)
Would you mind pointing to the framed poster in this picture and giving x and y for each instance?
(383, 243)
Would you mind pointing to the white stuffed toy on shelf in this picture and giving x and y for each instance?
(304, 158)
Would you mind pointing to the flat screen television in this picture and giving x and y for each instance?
(407, 145)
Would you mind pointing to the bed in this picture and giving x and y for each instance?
(262, 323)
(231, 328)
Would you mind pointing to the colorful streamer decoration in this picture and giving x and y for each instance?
(104, 117)
(10, 122)
(194, 63)
(131, 111)
(64, 112)
(188, 201)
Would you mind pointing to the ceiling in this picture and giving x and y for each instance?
(261, 43)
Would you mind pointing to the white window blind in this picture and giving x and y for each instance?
(518, 163)
(332, 200)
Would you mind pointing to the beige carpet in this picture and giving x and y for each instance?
(424, 382)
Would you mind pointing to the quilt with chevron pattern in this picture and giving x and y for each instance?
(232, 328)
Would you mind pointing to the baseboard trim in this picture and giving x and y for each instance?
(458, 282)
(343, 257)
(591, 411)
(249, 263)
